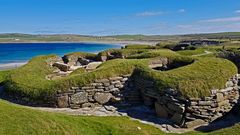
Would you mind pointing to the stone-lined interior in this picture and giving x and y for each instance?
(169, 104)
(164, 64)
(189, 112)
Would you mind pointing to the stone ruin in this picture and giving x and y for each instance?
(168, 103)
(67, 64)
(189, 112)
(185, 112)
(99, 92)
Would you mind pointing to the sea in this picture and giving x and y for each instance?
(17, 53)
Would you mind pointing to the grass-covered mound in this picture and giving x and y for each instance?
(193, 80)
(136, 46)
(209, 50)
(3, 76)
(154, 53)
(30, 79)
(75, 55)
(122, 52)
(111, 68)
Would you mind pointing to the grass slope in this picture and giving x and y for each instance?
(18, 120)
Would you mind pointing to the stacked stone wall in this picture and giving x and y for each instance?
(189, 112)
(100, 92)
(168, 103)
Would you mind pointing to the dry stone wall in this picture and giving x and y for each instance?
(191, 112)
(168, 103)
(99, 92)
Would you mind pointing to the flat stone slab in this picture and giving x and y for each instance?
(79, 98)
(93, 65)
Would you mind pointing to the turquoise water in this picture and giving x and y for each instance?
(22, 52)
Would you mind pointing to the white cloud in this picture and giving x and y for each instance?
(184, 26)
(149, 13)
(182, 10)
(216, 20)
(207, 27)
(237, 11)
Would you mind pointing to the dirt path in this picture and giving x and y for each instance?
(205, 53)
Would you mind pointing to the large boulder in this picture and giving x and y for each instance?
(103, 58)
(83, 61)
(79, 98)
(102, 98)
(61, 66)
(219, 97)
(194, 123)
(62, 102)
(93, 65)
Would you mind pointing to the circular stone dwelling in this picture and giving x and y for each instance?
(186, 90)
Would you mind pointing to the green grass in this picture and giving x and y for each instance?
(3, 75)
(18, 120)
(78, 71)
(136, 46)
(154, 53)
(213, 49)
(116, 67)
(30, 79)
(82, 54)
(194, 80)
(192, 52)
(123, 52)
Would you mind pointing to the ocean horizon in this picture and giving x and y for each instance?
(16, 53)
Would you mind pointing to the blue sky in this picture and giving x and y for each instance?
(111, 17)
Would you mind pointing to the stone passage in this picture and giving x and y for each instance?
(100, 92)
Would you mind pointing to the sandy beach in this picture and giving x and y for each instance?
(11, 65)
(110, 42)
